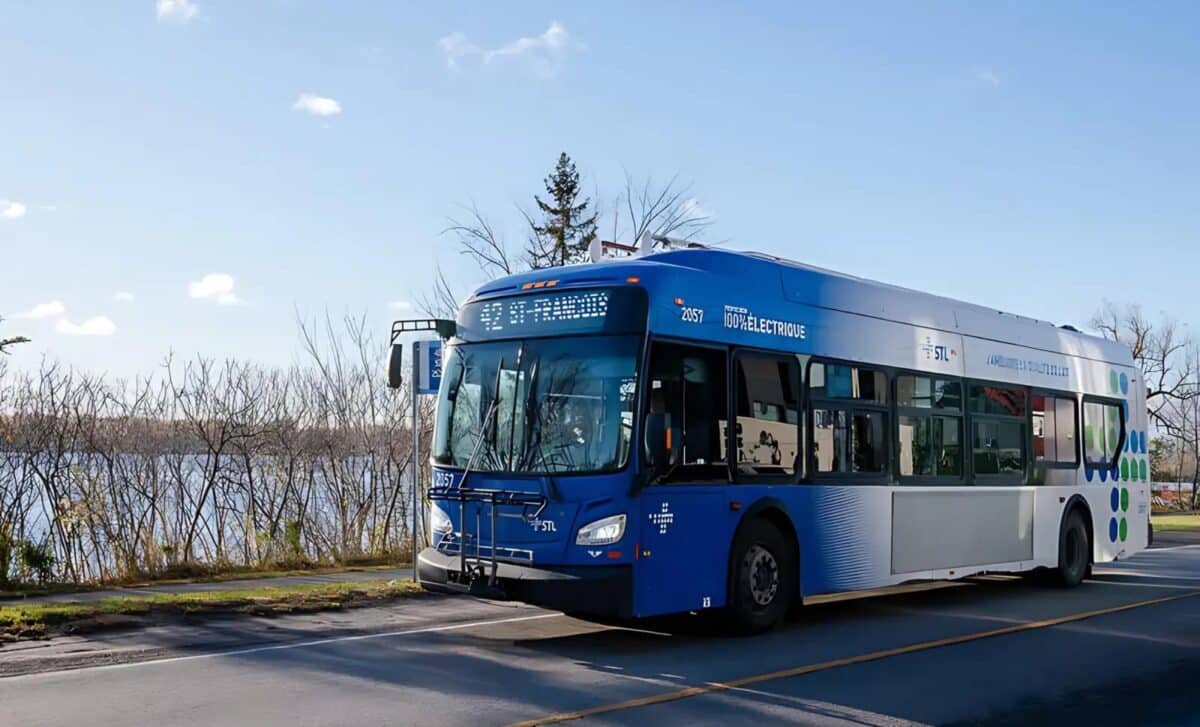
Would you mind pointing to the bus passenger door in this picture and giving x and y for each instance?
(683, 533)
(682, 560)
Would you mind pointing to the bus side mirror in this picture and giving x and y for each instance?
(661, 442)
(395, 366)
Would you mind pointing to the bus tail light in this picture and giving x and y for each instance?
(604, 531)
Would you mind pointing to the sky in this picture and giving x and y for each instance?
(192, 175)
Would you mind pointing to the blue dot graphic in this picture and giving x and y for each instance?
(1103, 475)
(1112, 530)
(1124, 384)
(1142, 442)
(1114, 473)
(1125, 408)
(1114, 499)
(1088, 472)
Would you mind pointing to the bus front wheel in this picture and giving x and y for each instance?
(1074, 552)
(763, 572)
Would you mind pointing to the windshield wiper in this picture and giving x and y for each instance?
(533, 419)
(488, 426)
(533, 433)
(512, 414)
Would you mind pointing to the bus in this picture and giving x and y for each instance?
(698, 429)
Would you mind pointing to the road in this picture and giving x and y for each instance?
(995, 649)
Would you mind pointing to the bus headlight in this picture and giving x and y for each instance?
(439, 522)
(604, 531)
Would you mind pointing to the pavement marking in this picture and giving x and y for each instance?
(732, 684)
(294, 645)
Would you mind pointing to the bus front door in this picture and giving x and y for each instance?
(682, 558)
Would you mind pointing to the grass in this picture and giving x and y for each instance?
(39, 620)
(221, 576)
(1176, 523)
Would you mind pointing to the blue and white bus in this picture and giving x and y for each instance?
(704, 429)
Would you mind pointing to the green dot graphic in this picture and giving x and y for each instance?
(1112, 381)
(1124, 530)
(1142, 466)
(1124, 468)
(1124, 500)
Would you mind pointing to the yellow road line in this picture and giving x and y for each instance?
(713, 687)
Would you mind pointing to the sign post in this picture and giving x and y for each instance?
(426, 378)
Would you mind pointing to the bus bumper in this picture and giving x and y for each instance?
(602, 590)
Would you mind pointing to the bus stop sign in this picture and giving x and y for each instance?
(429, 366)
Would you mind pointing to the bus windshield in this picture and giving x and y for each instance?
(559, 405)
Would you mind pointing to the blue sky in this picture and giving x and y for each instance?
(1029, 158)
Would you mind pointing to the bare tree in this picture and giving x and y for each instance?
(1160, 350)
(647, 207)
(478, 240)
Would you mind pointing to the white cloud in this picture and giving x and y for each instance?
(43, 310)
(217, 287)
(123, 296)
(545, 51)
(11, 210)
(176, 11)
(400, 305)
(98, 326)
(317, 105)
(554, 39)
(987, 76)
(456, 46)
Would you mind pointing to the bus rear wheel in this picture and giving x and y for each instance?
(1074, 552)
(763, 576)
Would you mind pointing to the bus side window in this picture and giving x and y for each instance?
(1054, 424)
(689, 383)
(998, 429)
(849, 405)
(767, 414)
(1103, 432)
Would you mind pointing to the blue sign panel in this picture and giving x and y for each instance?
(429, 366)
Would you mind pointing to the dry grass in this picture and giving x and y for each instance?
(1176, 523)
(39, 620)
(197, 574)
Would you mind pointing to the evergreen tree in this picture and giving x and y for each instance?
(567, 229)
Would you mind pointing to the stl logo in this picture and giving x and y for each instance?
(937, 353)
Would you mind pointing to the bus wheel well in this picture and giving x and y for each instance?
(1077, 502)
(773, 513)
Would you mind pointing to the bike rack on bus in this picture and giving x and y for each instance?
(459, 542)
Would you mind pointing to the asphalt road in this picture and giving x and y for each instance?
(994, 650)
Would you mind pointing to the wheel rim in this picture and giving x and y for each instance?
(764, 575)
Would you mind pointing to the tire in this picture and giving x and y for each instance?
(1074, 552)
(762, 576)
